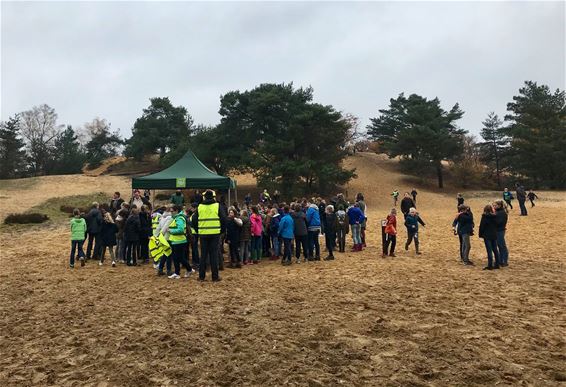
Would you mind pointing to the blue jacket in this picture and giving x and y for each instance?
(286, 227)
(355, 216)
(412, 222)
(313, 217)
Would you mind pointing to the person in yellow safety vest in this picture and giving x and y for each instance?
(194, 237)
(178, 242)
(209, 222)
(163, 228)
(155, 218)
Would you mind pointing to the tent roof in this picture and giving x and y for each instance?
(188, 172)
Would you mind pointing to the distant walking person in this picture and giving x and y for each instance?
(390, 234)
(508, 197)
(460, 200)
(414, 195)
(412, 220)
(78, 232)
(521, 197)
(532, 196)
(395, 195)
(488, 231)
(464, 227)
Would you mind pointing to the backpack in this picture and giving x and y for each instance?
(341, 215)
(274, 225)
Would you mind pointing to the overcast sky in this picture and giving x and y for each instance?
(106, 59)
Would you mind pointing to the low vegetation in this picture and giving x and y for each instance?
(26, 218)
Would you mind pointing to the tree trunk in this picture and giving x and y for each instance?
(439, 175)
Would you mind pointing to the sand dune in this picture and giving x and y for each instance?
(360, 320)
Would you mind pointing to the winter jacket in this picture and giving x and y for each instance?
(257, 225)
(180, 229)
(132, 229)
(177, 200)
(300, 223)
(115, 205)
(521, 194)
(355, 216)
(391, 225)
(343, 221)
(331, 224)
(501, 219)
(274, 225)
(78, 229)
(163, 227)
(507, 196)
(406, 204)
(362, 206)
(108, 234)
(145, 225)
(313, 218)
(246, 230)
(233, 230)
(488, 227)
(286, 227)
(94, 221)
(121, 218)
(465, 223)
(412, 223)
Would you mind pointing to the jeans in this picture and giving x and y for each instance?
(132, 252)
(491, 248)
(121, 249)
(356, 228)
(390, 240)
(341, 236)
(314, 245)
(502, 247)
(256, 247)
(301, 240)
(179, 253)
(234, 253)
(111, 251)
(194, 250)
(509, 204)
(275, 244)
(412, 235)
(465, 248)
(93, 240)
(244, 250)
(76, 245)
(330, 239)
(523, 207)
(209, 255)
(287, 254)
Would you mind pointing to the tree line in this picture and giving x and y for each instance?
(289, 142)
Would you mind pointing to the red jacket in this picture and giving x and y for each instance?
(391, 225)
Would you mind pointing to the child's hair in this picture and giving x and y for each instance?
(462, 208)
(255, 209)
(244, 213)
(501, 204)
(177, 208)
(412, 210)
(273, 211)
(108, 218)
(94, 204)
(393, 211)
(286, 209)
(329, 209)
(232, 211)
(488, 209)
(76, 212)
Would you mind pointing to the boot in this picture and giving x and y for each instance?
(417, 250)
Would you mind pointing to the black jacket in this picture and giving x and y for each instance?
(501, 219)
(108, 234)
(521, 194)
(145, 225)
(94, 221)
(488, 227)
(132, 229)
(233, 232)
(465, 223)
(115, 205)
(300, 220)
(406, 204)
(330, 223)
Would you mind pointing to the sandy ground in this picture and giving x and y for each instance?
(360, 320)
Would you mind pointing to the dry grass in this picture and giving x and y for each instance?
(360, 320)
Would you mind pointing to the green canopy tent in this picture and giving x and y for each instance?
(187, 172)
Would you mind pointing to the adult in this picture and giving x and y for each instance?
(508, 197)
(209, 224)
(356, 218)
(414, 195)
(286, 232)
(464, 226)
(145, 233)
(197, 197)
(362, 205)
(177, 199)
(407, 203)
(340, 201)
(115, 203)
(488, 232)
(322, 213)
(138, 200)
(501, 223)
(132, 237)
(521, 198)
(300, 232)
(276, 197)
(313, 228)
(93, 228)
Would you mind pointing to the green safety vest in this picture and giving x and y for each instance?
(208, 219)
(178, 238)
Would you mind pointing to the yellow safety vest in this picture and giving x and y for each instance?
(180, 238)
(208, 219)
(155, 221)
(193, 231)
(159, 247)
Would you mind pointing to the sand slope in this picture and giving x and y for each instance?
(360, 320)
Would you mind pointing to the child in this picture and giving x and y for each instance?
(313, 229)
(501, 221)
(390, 234)
(395, 195)
(245, 236)
(460, 200)
(330, 228)
(300, 232)
(274, 233)
(78, 231)
(464, 227)
(233, 232)
(342, 228)
(532, 196)
(488, 231)
(257, 229)
(507, 197)
(132, 236)
(108, 236)
(412, 221)
(356, 218)
(285, 231)
(414, 195)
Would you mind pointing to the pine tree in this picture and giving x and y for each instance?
(68, 154)
(12, 153)
(495, 143)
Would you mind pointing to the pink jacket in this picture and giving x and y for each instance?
(257, 226)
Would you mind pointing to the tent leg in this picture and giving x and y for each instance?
(236, 194)
(229, 202)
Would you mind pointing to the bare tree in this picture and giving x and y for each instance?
(39, 128)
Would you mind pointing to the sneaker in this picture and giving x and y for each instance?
(174, 276)
(72, 266)
(469, 263)
(217, 279)
(160, 273)
(392, 255)
(298, 261)
(406, 247)
(100, 263)
(155, 265)
(418, 253)
(488, 268)
(329, 258)
(188, 274)
(113, 263)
